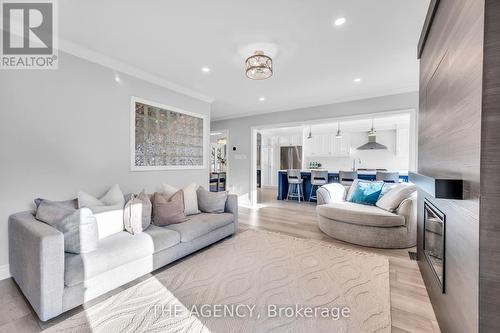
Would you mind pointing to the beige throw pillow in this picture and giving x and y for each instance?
(190, 198)
(168, 210)
(392, 199)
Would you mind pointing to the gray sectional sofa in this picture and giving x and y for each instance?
(54, 281)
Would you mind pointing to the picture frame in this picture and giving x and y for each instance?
(164, 137)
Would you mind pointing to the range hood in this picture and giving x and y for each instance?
(372, 144)
(372, 141)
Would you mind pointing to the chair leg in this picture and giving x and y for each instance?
(299, 189)
(311, 192)
(288, 192)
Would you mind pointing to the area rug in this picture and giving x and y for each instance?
(253, 282)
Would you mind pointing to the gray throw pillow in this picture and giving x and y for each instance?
(137, 213)
(78, 226)
(211, 202)
(168, 210)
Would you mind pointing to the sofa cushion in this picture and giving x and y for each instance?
(117, 250)
(354, 213)
(201, 224)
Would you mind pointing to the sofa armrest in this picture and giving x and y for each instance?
(232, 207)
(36, 258)
(334, 192)
(408, 209)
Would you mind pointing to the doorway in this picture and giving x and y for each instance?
(218, 170)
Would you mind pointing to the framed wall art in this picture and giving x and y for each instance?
(166, 138)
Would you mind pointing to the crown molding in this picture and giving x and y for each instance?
(106, 61)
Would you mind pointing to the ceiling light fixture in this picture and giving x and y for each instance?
(340, 21)
(339, 133)
(357, 80)
(259, 66)
(205, 69)
(262, 99)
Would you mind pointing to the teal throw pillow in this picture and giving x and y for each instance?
(366, 192)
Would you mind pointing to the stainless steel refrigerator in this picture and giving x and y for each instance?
(291, 157)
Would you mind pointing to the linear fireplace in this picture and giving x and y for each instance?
(434, 241)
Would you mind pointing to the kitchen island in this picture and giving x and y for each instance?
(333, 177)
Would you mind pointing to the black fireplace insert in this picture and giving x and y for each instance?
(434, 241)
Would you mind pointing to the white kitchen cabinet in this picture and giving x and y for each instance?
(327, 145)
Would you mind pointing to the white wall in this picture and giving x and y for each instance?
(69, 129)
(240, 129)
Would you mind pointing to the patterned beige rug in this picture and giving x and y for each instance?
(253, 282)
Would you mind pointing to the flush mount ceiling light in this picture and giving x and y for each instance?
(339, 21)
(259, 66)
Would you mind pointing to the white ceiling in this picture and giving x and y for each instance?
(315, 61)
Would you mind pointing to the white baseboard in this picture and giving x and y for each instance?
(4, 272)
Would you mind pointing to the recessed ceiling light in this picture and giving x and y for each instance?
(117, 78)
(340, 21)
(205, 70)
(262, 99)
(357, 80)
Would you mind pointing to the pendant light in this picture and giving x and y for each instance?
(309, 136)
(339, 133)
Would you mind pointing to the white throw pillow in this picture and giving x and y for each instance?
(107, 210)
(391, 200)
(190, 197)
(350, 191)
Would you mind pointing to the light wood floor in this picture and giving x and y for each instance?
(411, 309)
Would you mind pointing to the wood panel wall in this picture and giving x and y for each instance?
(450, 147)
(489, 236)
